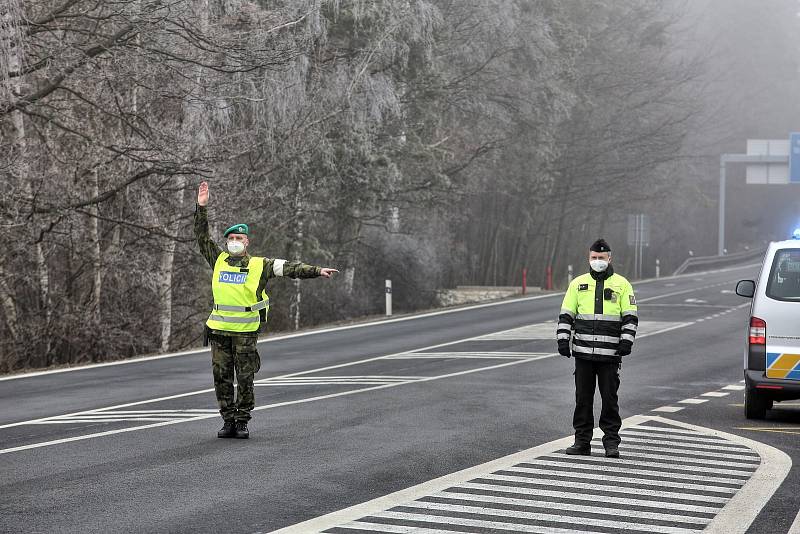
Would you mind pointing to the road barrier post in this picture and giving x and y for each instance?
(524, 280)
(658, 268)
(569, 274)
(549, 284)
(388, 298)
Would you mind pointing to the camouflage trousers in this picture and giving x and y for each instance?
(229, 355)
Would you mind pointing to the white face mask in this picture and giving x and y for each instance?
(598, 265)
(235, 247)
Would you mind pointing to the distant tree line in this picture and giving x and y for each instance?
(433, 142)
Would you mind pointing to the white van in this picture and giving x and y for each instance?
(772, 352)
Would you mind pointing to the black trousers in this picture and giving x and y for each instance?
(606, 376)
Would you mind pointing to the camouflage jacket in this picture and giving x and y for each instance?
(272, 266)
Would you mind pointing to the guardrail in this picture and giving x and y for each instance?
(719, 261)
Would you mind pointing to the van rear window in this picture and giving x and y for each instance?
(784, 278)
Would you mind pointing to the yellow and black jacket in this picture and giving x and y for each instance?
(601, 309)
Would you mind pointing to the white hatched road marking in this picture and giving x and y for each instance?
(683, 507)
(730, 447)
(542, 491)
(117, 416)
(609, 488)
(688, 439)
(531, 516)
(644, 472)
(676, 466)
(610, 478)
(338, 380)
(551, 505)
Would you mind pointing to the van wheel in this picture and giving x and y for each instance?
(755, 405)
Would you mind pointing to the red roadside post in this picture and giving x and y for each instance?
(524, 280)
(549, 284)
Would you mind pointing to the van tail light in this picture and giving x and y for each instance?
(758, 331)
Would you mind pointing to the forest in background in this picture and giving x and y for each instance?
(431, 142)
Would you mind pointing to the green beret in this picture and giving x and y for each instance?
(237, 229)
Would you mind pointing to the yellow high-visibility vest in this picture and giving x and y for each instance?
(236, 304)
(601, 312)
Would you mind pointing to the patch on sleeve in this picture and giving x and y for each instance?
(277, 267)
(583, 287)
(632, 299)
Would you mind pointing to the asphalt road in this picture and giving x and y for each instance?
(348, 415)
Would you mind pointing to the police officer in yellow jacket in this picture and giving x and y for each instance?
(600, 308)
(241, 306)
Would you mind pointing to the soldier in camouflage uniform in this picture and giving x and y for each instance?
(234, 329)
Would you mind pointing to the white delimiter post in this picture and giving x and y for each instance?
(388, 298)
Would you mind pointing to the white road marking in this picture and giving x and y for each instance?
(613, 464)
(636, 453)
(610, 478)
(795, 528)
(672, 437)
(589, 521)
(591, 497)
(715, 394)
(465, 355)
(605, 468)
(714, 455)
(606, 510)
(286, 403)
(609, 488)
(470, 498)
(733, 387)
(668, 409)
(379, 322)
(717, 446)
(693, 401)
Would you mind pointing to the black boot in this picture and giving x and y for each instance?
(612, 452)
(580, 450)
(241, 430)
(228, 430)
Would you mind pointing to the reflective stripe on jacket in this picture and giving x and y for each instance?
(240, 305)
(602, 311)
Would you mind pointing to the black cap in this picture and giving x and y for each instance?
(600, 246)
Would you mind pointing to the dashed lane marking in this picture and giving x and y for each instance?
(668, 409)
(544, 491)
(733, 387)
(693, 401)
(715, 394)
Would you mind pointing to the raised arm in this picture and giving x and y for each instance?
(208, 248)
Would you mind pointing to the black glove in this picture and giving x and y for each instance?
(563, 348)
(625, 347)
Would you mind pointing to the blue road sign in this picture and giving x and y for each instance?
(794, 157)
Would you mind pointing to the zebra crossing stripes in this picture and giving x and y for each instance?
(683, 481)
(124, 416)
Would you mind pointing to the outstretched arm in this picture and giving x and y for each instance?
(208, 248)
(296, 269)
